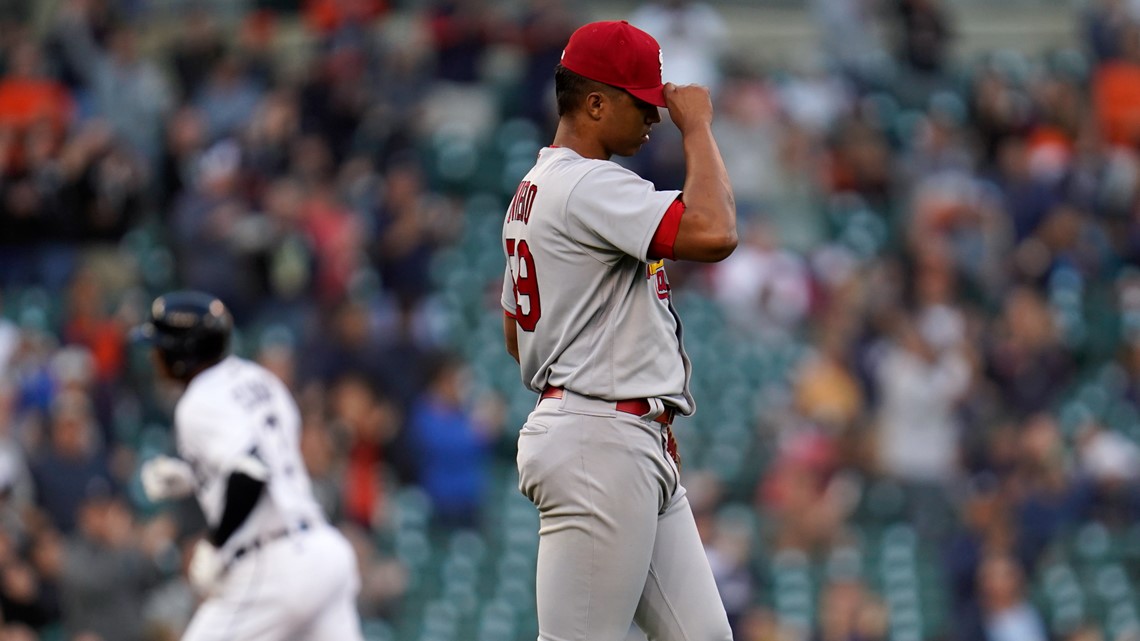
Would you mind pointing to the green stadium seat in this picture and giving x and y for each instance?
(1112, 583)
(463, 596)
(157, 269)
(413, 548)
(1066, 617)
(497, 622)
(155, 439)
(440, 620)
(1121, 620)
(377, 630)
(467, 544)
(413, 508)
(1093, 542)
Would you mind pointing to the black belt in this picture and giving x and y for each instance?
(262, 541)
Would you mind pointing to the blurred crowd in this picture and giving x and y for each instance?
(954, 242)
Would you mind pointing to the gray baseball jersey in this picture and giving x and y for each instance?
(594, 312)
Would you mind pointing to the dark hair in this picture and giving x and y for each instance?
(570, 89)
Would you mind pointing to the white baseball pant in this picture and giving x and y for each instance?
(617, 538)
(299, 588)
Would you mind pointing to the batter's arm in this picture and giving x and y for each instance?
(511, 336)
(707, 232)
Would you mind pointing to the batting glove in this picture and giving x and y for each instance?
(165, 477)
(206, 569)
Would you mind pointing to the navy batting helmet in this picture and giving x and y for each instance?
(190, 330)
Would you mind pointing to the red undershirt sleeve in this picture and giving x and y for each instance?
(666, 235)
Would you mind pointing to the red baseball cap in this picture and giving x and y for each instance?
(617, 54)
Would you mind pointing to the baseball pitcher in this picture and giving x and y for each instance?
(588, 315)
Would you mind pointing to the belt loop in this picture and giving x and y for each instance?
(656, 408)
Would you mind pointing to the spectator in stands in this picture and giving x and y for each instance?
(326, 17)
(1007, 613)
(127, 90)
(91, 325)
(367, 422)
(984, 528)
(763, 288)
(450, 444)
(227, 99)
(23, 599)
(807, 496)
(749, 134)
(925, 34)
(106, 573)
(101, 187)
(348, 346)
(729, 548)
(998, 109)
(814, 97)
(205, 222)
(336, 236)
(827, 390)
(285, 253)
(411, 224)
(73, 463)
(692, 37)
(860, 163)
(46, 553)
(30, 100)
(852, 38)
(543, 30)
(1025, 357)
(182, 153)
(849, 611)
(1027, 198)
(1115, 92)
(462, 31)
(335, 98)
(324, 464)
(1103, 22)
(1110, 463)
(198, 46)
(919, 386)
(268, 139)
(1045, 499)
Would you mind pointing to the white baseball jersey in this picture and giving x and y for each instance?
(237, 408)
(594, 313)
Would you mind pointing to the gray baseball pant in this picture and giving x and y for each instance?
(617, 538)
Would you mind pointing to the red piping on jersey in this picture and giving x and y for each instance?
(666, 235)
(510, 315)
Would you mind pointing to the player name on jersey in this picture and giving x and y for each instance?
(522, 202)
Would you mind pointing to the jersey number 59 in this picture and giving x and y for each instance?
(528, 307)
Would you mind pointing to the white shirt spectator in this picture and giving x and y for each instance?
(692, 36)
(918, 431)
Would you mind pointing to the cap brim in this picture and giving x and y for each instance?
(654, 95)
